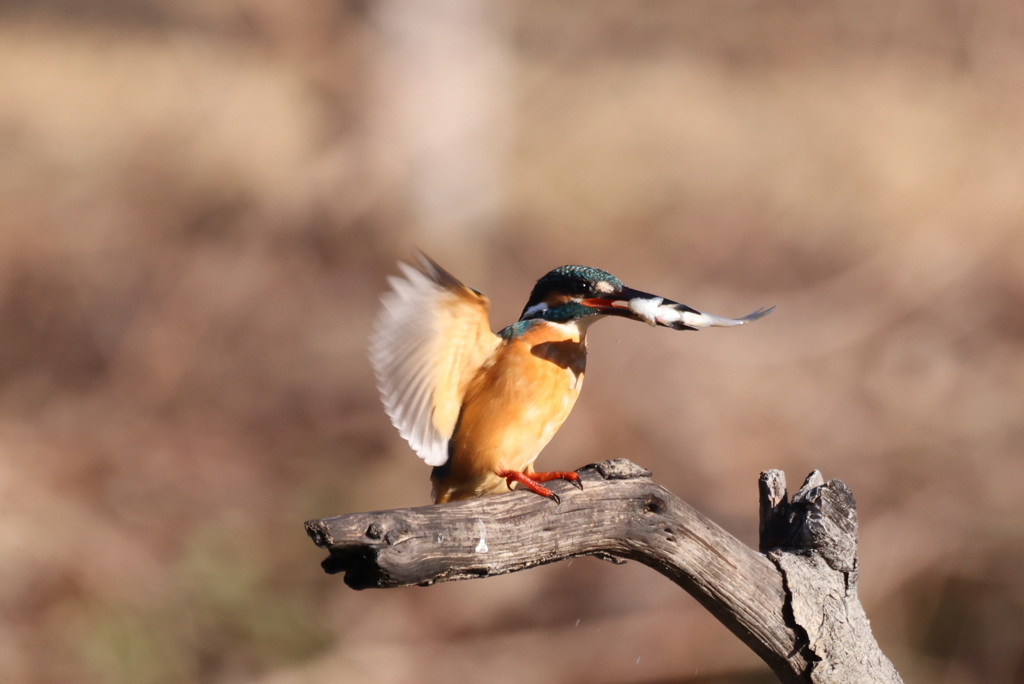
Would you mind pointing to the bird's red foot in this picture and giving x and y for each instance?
(572, 478)
(533, 480)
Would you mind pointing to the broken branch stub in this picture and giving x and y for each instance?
(813, 543)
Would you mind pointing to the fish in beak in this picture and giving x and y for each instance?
(656, 311)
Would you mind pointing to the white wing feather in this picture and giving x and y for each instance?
(431, 335)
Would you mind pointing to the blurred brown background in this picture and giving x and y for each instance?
(199, 203)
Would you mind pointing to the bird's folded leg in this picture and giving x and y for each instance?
(532, 481)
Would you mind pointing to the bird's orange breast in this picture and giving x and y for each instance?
(512, 408)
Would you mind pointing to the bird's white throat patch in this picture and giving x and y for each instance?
(575, 329)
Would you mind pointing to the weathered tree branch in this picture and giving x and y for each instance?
(795, 603)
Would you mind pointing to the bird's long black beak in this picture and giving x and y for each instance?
(655, 310)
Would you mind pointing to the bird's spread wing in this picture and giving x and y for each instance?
(431, 336)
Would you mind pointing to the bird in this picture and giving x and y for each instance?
(478, 406)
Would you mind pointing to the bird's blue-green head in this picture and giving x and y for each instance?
(570, 293)
(560, 294)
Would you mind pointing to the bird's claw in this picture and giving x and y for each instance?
(533, 480)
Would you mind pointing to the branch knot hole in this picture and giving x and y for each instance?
(395, 535)
(654, 505)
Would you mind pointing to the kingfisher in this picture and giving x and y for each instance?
(479, 407)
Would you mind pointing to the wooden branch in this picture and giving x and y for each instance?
(795, 603)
